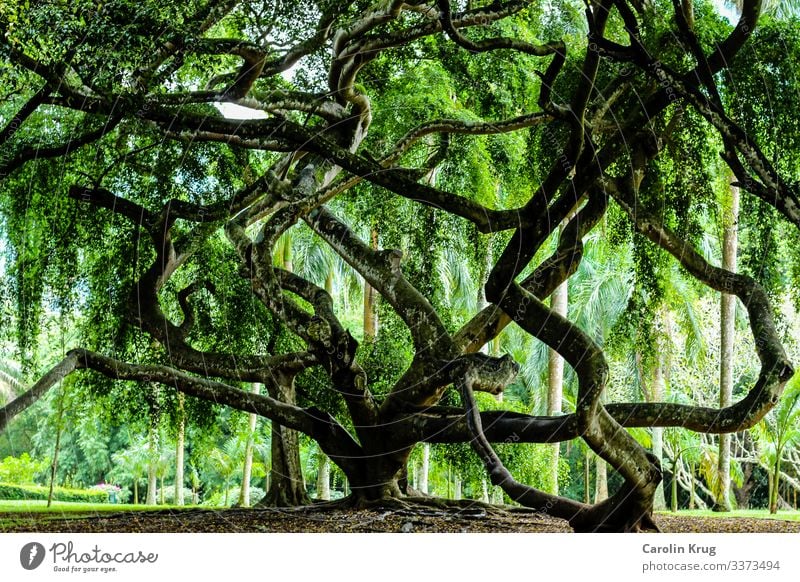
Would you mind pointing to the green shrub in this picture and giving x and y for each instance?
(35, 492)
(20, 470)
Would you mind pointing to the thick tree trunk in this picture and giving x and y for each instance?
(601, 480)
(727, 320)
(179, 451)
(247, 470)
(287, 487)
(555, 381)
(324, 478)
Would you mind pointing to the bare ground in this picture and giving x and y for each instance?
(377, 520)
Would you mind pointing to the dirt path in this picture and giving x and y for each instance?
(363, 521)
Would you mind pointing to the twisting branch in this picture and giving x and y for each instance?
(492, 44)
(498, 474)
(776, 369)
(488, 323)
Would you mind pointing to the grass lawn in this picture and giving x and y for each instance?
(58, 507)
(748, 513)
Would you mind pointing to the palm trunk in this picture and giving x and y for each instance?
(161, 491)
(587, 480)
(136, 491)
(179, 452)
(674, 500)
(555, 381)
(776, 484)
(424, 467)
(727, 320)
(324, 478)
(370, 309)
(601, 480)
(152, 481)
(497, 496)
(659, 503)
(247, 471)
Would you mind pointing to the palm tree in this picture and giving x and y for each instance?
(130, 465)
(730, 219)
(225, 461)
(779, 431)
(247, 471)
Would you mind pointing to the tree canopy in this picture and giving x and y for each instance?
(207, 192)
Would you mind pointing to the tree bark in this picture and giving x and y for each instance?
(247, 471)
(457, 487)
(727, 324)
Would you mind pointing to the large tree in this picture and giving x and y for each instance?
(125, 182)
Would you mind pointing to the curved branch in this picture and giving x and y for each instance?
(54, 151)
(56, 374)
(23, 114)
